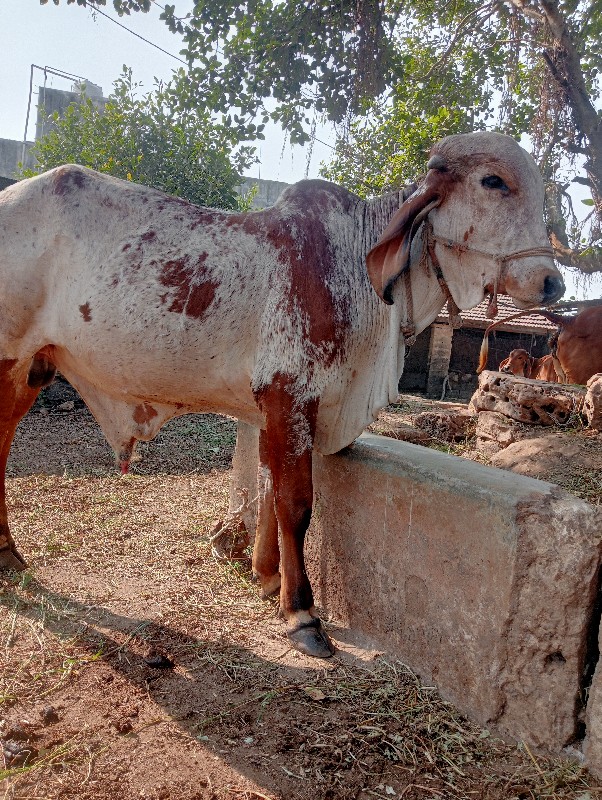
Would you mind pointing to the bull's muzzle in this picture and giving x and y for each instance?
(553, 289)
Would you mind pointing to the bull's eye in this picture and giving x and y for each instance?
(494, 182)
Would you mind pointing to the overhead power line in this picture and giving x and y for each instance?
(129, 30)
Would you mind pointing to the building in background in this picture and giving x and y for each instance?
(444, 360)
(13, 153)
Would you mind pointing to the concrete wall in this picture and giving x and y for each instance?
(482, 581)
(11, 154)
(267, 191)
(51, 101)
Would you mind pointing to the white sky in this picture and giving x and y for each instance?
(69, 39)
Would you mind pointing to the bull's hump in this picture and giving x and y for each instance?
(68, 178)
(315, 196)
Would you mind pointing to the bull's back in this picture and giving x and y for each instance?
(146, 294)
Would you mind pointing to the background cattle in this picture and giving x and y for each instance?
(578, 344)
(292, 319)
(519, 362)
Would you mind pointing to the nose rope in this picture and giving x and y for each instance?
(462, 247)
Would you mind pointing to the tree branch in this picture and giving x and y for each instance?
(586, 262)
(526, 10)
(584, 181)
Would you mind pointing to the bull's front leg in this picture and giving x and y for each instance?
(287, 448)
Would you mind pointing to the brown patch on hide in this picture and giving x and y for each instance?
(85, 312)
(66, 179)
(144, 413)
(305, 251)
(194, 292)
(148, 236)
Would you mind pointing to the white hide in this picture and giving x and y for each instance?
(85, 273)
(490, 221)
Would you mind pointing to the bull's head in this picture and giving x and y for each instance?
(483, 195)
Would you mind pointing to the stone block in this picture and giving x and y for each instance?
(495, 431)
(592, 405)
(525, 400)
(482, 581)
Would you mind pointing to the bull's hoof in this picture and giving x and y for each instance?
(12, 559)
(312, 640)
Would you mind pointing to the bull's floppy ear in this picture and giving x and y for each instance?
(503, 364)
(389, 258)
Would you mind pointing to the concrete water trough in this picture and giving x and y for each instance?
(484, 582)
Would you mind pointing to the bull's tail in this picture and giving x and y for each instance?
(558, 319)
(484, 353)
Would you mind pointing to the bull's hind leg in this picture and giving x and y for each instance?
(16, 398)
(289, 435)
(266, 552)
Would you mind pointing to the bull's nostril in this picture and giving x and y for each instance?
(553, 288)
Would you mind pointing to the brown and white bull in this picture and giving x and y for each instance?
(152, 308)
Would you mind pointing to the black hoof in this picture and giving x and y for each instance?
(312, 640)
(12, 559)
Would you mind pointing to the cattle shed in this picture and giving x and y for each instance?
(444, 359)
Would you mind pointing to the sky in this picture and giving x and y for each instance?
(70, 39)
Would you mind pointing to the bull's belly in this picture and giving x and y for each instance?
(131, 397)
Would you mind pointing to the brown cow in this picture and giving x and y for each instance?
(578, 343)
(519, 362)
(152, 308)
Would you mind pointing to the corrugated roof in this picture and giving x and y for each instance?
(476, 318)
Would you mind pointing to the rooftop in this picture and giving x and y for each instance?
(476, 318)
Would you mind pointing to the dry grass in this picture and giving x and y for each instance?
(121, 572)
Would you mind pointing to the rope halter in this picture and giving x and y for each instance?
(430, 261)
(462, 247)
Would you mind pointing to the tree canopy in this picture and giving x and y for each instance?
(147, 140)
(394, 75)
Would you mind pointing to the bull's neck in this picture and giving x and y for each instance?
(377, 215)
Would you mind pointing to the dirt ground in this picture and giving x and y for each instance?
(136, 666)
